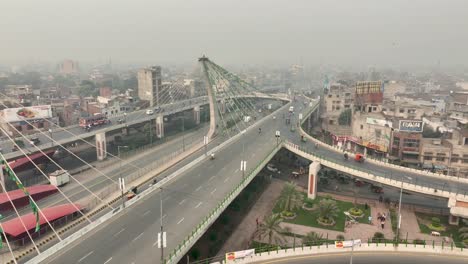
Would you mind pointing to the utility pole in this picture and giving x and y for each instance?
(277, 135)
(151, 131)
(122, 188)
(51, 139)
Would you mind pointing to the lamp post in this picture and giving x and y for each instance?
(121, 179)
(118, 156)
(183, 130)
(51, 139)
(125, 117)
(277, 135)
(399, 214)
(205, 142)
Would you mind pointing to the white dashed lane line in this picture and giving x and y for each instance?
(181, 220)
(198, 205)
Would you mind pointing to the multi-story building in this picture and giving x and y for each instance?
(372, 133)
(457, 105)
(150, 85)
(337, 99)
(368, 96)
(68, 67)
(405, 109)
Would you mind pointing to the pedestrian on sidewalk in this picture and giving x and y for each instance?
(256, 220)
(382, 224)
(370, 219)
(380, 199)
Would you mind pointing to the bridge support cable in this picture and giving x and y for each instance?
(60, 167)
(72, 134)
(8, 243)
(214, 96)
(45, 175)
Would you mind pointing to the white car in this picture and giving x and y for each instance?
(149, 112)
(271, 167)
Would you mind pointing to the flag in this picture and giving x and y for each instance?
(1, 241)
(36, 213)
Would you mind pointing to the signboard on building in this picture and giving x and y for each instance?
(369, 92)
(411, 125)
(347, 243)
(25, 113)
(378, 122)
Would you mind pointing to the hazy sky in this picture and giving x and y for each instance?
(363, 32)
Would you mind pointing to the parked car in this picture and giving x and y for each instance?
(271, 167)
(149, 112)
(35, 141)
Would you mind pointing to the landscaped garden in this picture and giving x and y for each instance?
(323, 212)
(429, 223)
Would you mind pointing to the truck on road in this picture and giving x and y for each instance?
(59, 178)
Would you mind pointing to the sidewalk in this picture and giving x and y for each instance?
(242, 235)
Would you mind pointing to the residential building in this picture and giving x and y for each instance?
(368, 96)
(105, 91)
(372, 133)
(150, 85)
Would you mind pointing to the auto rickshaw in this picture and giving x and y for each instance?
(359, 157)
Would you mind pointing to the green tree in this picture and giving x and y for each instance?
(328, 209)
(87, 88)
(290, 198)
(345, 118)
(270, 227)
(428, 132)
(312, 239)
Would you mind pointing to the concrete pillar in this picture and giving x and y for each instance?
(101, 146)
(160, 126)
(196, 114)
(314, 168)
(454, 220)
(125, 131)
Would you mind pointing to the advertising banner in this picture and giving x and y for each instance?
(347, 243)
(25, 113)
(411, 125)
(239, 254)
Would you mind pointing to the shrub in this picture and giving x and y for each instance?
(356, 211)
(309, 202)
(287, 214)
(435, 222)
(213, 236)
(378, 237)
(339, 237)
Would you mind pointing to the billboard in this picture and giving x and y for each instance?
(25, 113)
(411, 125)
(369, 92)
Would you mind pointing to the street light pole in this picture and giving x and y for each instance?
(162, 242)
(183, 130)
(277, 135)
(399, 214)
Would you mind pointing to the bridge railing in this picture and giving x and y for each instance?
(177, 253)
(265, 252)
(387, 179)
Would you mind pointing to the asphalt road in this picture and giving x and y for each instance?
(68, 134)
(75, 192)
(131, 237)
(370, 258)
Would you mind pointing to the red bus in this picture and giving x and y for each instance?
(95, 120)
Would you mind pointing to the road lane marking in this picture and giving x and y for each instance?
(87, 255)
(199, 187)
(155, 243)
(116, 234)
(180, 221)
(147, 212)
(137, 237)
(167, 198)
(236, 170)
(107, 261)
(198, 205)
(211, 178)
(227, 179)
(213, 191)
(181, 202)
(164, 216)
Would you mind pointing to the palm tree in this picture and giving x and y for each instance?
(311, 239)
(271, 227)
(328, 209)
(290, 198)
(463, 232)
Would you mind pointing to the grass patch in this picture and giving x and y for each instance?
(263, 247)
(394, 220)
(309, 218)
